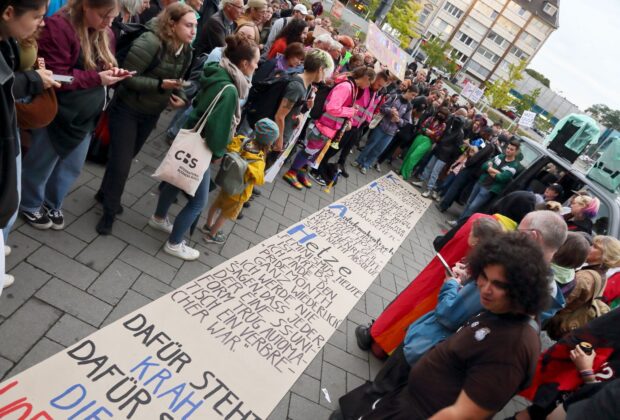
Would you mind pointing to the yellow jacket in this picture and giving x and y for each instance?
(255, 174)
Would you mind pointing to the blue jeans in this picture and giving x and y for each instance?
(446, 183)
(460, 182)
(178, 121)
(18, 167)
(478, 198)
(378, 141)
(46, 177)
(432, 171)
(184, 220)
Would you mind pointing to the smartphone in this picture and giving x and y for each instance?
(446, 267)
(62, 79)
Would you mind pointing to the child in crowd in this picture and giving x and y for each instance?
(253, 151)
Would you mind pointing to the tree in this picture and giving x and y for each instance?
(498, 92)
(527, 101)
(401, 17)
(544, 124)
(608, 117)
(435, 51)
(538, 76)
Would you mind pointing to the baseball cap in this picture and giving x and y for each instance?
(301, 9)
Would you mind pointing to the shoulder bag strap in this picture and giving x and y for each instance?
(200, 124)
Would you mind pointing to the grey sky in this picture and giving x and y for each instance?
(582, 58)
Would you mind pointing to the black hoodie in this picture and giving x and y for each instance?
(449, 146)
(8, 135)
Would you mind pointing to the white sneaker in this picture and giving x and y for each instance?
(377, 167)
(8, 280)
(7, 250)
(452, 222)
(163, 225)
(417, 183)
(355, 164)
(182, 251)
(435, 196)
(426, 194)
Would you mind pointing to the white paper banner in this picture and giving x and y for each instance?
(230, 343)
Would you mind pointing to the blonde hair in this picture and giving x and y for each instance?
(610, 248)
(165, 21)
(95, 44)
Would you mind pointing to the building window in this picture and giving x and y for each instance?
(466, 39)
(505, 66)
(519, 53)
(458, 56)
(521, 11)
(549, 8)
(424, 15)
(489, 55)
(443, 26)
(507, 25)
(499, 40)
(478, 68)
(453, 10)
(530, 40)
(540, 26)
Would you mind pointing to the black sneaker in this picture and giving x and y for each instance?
(37, 219)
(314, 174)
(364, 340)
(343, 171)
(257, 192)
(56, 216)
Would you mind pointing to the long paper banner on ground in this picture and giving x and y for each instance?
(230, 343)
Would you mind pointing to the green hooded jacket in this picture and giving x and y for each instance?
(219, 128)
(141, 92)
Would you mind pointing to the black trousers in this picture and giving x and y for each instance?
(129, 130)
(346, 144)
(392, 377)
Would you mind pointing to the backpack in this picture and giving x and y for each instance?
(565, 321)
(129, 33)
(320, 98)
(231, 176)
(265, 97)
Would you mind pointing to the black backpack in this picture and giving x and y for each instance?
(129, 33)
(265, 97)
(320, 98)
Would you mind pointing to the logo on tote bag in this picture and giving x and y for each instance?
(188, 160)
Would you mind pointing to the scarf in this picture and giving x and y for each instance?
(562, 275)
(240, 81)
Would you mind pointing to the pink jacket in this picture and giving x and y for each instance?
(338, 107)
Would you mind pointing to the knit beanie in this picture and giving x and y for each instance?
(266, 131)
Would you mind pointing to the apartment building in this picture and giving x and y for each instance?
(487, 35)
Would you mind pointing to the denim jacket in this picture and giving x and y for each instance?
(455, 306)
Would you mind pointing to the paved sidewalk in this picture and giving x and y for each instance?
(72, 282)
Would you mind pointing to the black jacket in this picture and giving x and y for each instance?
(213, 33)
(475, 162)
(8, 135)
(449, 146)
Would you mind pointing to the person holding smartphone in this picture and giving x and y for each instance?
(75, 41)
(141, 99)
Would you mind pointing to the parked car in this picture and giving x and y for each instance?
(510, 112)
(534, 162)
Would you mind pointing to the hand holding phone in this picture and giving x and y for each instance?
(446, 266)
(62, 79)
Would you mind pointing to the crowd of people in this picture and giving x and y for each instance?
(257, 79)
